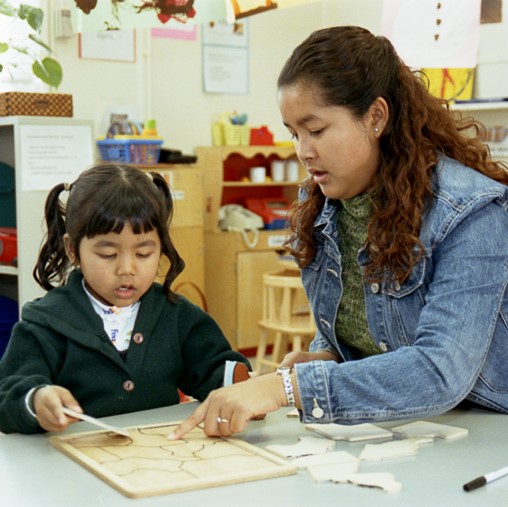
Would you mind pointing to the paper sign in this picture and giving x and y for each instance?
(53, 154)
(432, 34)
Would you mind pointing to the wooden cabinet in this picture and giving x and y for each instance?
(233, 269)
(187, 227)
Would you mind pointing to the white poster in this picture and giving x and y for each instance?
(433, 34)
(226, 57)
(53, 154)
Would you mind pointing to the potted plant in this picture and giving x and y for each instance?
(47, 69)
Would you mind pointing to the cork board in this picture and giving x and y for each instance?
(147, 464)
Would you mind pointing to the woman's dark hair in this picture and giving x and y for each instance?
(348, 66)
(102, 200)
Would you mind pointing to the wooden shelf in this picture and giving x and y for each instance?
(482, 106)
(236, 261)
(8, 270)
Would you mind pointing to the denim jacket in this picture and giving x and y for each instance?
(443, 331)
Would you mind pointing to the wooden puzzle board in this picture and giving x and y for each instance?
(146, 463)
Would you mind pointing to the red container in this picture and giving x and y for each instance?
(8, 245)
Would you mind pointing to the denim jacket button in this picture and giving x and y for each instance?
(383, 346)
(374, 287)
(317, 411)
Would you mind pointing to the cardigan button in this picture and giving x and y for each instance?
(128, 385)
(138, 338)
(374, 288)
(383, 346)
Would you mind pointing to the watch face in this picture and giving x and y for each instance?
(451, 84)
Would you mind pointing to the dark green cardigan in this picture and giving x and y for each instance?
(61, 340)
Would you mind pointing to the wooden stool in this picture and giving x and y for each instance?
(286, 314)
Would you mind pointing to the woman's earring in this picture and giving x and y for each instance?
(376, 130)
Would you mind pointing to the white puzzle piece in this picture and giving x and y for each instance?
(383, 480)
(333, 472)
(393, 450)
(305, 447)
(354, 433)
(327, 458)
(339, 474)
(430, 429)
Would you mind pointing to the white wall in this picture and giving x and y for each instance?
(165, 82)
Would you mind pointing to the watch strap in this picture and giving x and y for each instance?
(285, 373)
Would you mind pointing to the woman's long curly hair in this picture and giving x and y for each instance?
(104, 199)
(351, 67)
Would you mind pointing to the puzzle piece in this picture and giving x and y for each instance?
(333, 472)
(339, 474)
(327, 458)
(430, 429)
(305, 447)
(354, 433)
(393, 450)
(383, 480)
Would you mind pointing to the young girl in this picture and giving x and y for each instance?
(106, 339)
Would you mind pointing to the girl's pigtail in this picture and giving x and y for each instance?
(177, 264)
(53, 262)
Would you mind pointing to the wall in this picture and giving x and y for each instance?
(165, 82)
(491, 77)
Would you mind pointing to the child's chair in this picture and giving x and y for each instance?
(286, 315)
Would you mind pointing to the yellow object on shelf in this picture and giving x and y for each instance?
(150, 128)
(226, 133)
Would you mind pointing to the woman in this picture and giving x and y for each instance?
(401, 232)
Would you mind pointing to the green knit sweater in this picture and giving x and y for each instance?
(351, 325)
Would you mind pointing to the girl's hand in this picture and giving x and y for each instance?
(305, 357)
(228, 410)
(48, 402)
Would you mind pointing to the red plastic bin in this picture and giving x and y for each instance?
(8, 245)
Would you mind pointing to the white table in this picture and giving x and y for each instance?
(35, 474)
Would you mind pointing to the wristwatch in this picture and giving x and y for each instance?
(285, 373)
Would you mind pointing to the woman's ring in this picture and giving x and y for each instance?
(222, 420)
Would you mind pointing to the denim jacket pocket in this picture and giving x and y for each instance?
(403, 304)
(413, 283)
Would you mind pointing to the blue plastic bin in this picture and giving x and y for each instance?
(136, 151)
(8, 317)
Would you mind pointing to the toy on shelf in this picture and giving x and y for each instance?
(230, 129)
(128, 141)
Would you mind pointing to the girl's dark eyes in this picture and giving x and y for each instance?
(113, 256)
(106, 256)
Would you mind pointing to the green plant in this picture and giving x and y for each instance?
(47, 69)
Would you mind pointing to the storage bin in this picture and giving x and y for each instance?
(8, 317)
(7, 196)
(133, 149)
(35, 104)
(8, 246)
